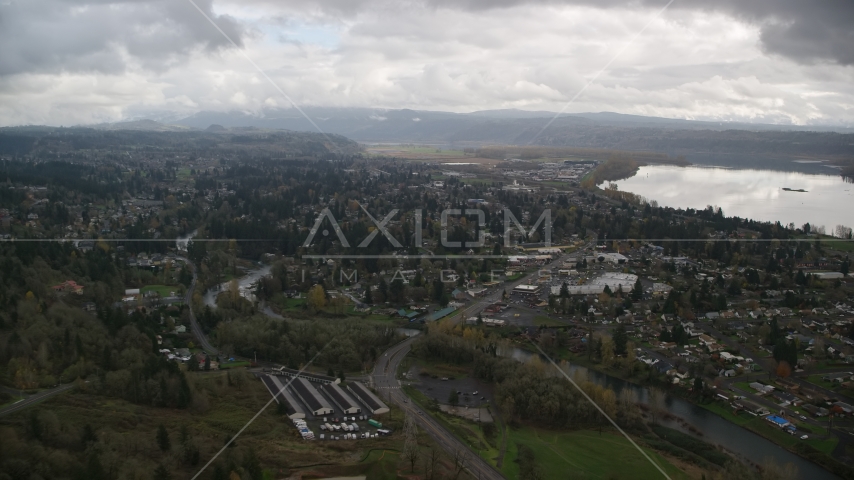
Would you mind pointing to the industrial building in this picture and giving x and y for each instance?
(311, 397)
(341, 399)
(282, 395)
(368, 398)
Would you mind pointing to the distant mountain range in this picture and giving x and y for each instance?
(519, 127)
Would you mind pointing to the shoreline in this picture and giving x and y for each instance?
(692, 430)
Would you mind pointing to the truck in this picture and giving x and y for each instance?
(355, 427)
(375, 423)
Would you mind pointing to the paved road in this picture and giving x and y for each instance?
(33, 399)
(478, 306)
(194, 325)
(388, 386)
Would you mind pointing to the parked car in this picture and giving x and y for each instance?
(804, 437)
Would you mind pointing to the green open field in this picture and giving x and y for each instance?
(548, 321)
(291, 303)
(745, 386)
(560, 454)
(816, 380)
(584, 454)
(162, 290)
(127, 443)
(441, 370)
(227, 365)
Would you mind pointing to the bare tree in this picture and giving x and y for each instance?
(430, 464)
(461, 460)
(410, 441)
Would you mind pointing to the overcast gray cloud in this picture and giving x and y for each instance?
(68, 62)
(52, 36)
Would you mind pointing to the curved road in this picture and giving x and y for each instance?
(383, 378)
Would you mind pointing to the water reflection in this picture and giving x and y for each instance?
(754, 194)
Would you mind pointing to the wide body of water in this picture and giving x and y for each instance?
(754, 194)
(715, 429)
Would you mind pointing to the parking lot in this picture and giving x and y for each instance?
(440, 390)
(341, 423)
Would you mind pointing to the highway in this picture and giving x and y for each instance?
(388, 386)
(33, 399)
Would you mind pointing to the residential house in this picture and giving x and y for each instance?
(68, 286)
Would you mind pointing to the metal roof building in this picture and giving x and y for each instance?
(580, 289)
(368, 398)
(281, 394)
(340, 398)
(311, 397)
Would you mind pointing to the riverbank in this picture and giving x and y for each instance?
(586, 452)
(817, 449)
(625, 166)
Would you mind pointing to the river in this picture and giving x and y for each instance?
(715, 429)
(243, 283)
(754, 194)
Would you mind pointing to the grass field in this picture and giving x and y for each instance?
(548, 321)
(127, 435)
(560, 454)
(745, 386)
(442, 370)
(227, 365)
(816, 380)
(162, 290)
(584, 454)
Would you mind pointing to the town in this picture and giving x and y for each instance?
(367, 294)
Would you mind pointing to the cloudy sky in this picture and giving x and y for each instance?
(67, 62)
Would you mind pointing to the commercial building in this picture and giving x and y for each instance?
(778, 421)
(580, 289)
(615, 281)
(439, 314)
(615, 258)
(311, 397)
(368, 398)
(341, 399)
(527, 289)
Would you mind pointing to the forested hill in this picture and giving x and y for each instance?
(590, 130)
(46, 141)
(683, 142)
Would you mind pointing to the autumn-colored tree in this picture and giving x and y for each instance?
(316, 298)
(784, 369)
